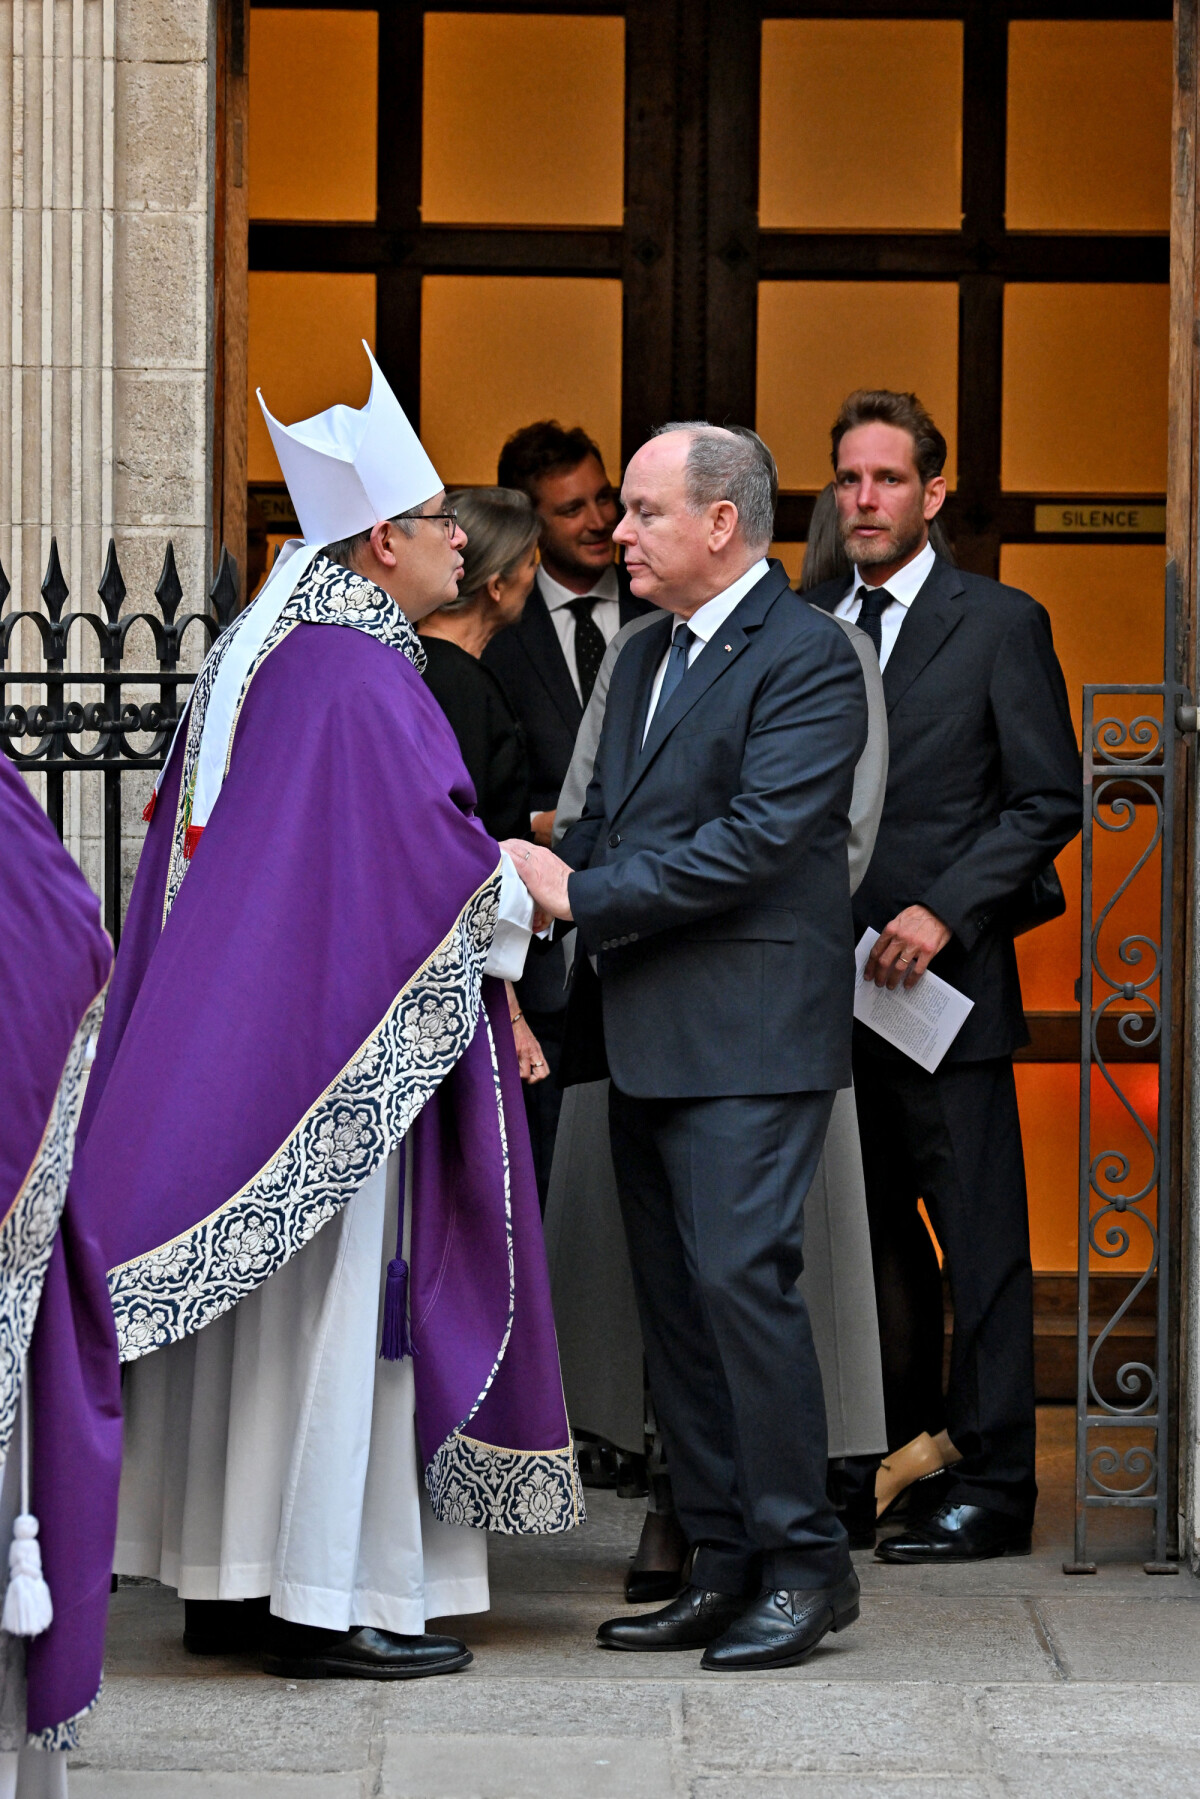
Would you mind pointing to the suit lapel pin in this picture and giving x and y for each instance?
(729, 646)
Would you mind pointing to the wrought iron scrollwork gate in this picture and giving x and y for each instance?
(1130, 772)
(58, 735)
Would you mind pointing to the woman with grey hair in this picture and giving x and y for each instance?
(499, 564)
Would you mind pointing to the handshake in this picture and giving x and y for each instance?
(545, 876)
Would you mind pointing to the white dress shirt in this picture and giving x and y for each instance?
(606, 612)
(904, 587)
(506, 957)
(704, 623)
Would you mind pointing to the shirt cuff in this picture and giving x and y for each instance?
(506, 958)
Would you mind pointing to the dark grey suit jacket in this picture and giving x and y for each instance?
(984, 785)
(712, 862)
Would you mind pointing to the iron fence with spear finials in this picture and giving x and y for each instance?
(109, 733)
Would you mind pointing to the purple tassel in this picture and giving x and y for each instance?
(396, 1341)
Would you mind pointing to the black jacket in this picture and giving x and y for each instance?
(531, 665)
(984, 784)
(714, 881)
(489, 735)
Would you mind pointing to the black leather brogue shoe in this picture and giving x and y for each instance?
(957, 1533)
(300, 1652)
(691, 1621)
(783, 1626)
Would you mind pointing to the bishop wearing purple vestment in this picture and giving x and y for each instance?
(305, 1130)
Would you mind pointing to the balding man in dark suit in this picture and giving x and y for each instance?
(711, 883)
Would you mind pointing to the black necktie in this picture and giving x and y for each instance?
(874, 602)
(589, 646)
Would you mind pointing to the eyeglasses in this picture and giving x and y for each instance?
(448, 517)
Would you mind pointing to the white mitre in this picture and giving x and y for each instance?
(347, 469)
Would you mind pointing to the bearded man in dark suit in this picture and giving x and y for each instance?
(984, 789)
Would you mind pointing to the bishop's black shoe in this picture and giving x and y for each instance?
(957, 1533)
(224, 1626)
(302, 1652)
(691, 1621)
(782, 1627)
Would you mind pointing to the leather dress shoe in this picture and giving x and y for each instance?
(224, 1626)
(691, 1621)
(957, 1533)
(301, 1652)
(919, 1501)
(657, 1572)
(784, 1626)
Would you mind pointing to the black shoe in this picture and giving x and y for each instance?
(224, 1626)
(651, 1586)
(662, 1552)
(782, 1627)
(693, 1620)
(850, 1484)
(919, 1501)
(958, 1533)
(300, 1652)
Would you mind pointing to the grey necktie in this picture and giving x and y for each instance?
(874, 601)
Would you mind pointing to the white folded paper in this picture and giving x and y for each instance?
(923, 1021)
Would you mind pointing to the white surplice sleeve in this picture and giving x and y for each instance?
(506, 958)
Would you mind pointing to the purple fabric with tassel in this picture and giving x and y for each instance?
(397, 1342)
(54, 958)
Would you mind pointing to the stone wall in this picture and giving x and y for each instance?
(105, 303)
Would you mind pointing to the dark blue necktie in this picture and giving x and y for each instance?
(677, 663)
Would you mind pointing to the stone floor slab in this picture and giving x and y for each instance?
(1100, 1637)
(1108, 1777)
(928, 1637)
(505, 1767)
(823, 1727)
(231, 1725)
(843, 1786)
(125, 1783)
(1088, 1721)
(535, 1708)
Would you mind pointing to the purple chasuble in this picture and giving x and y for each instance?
(54, 962)
(290, 1000)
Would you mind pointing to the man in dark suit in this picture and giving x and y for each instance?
(983, 791)
(547, 664)
(711, 884)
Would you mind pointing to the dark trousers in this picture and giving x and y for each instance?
(712, 1192)
(953, 1139)
(543, 1100)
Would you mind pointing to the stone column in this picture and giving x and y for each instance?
(105, 285)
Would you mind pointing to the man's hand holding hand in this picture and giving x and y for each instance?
(544, 874)
(905, 948)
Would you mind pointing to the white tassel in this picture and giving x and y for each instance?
(28, 1610)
